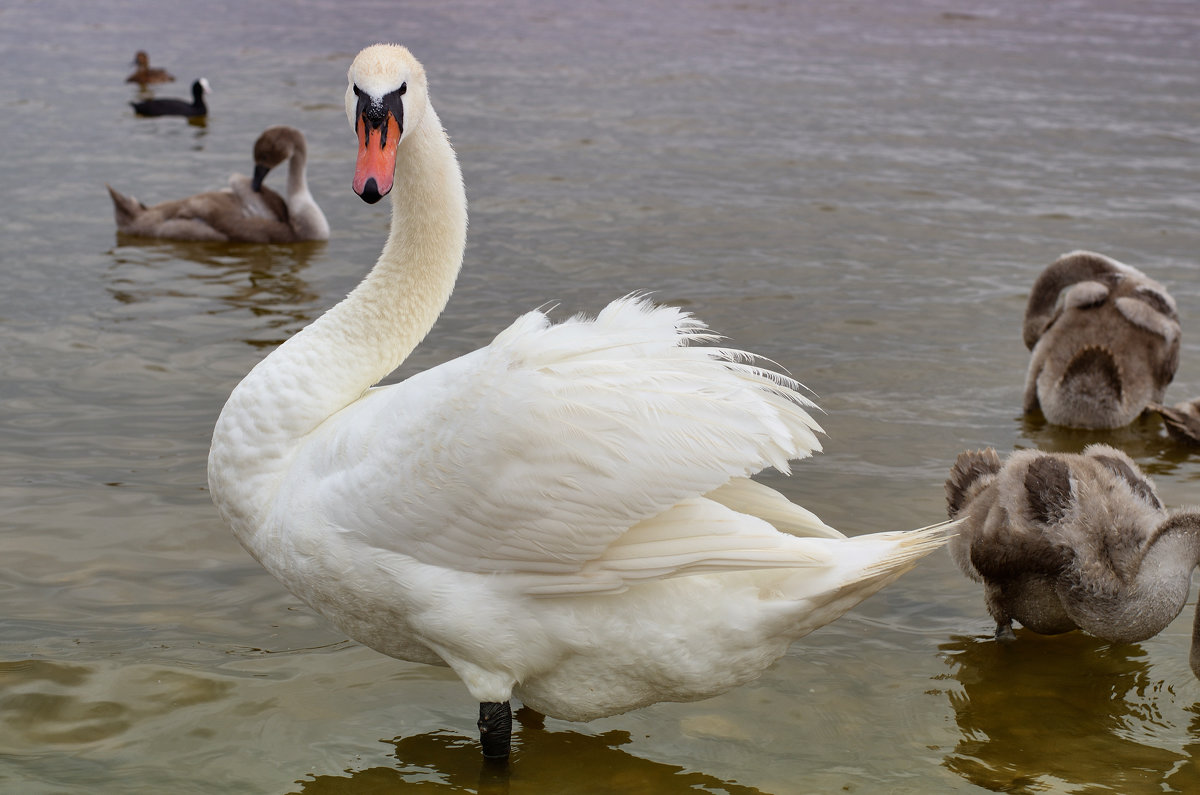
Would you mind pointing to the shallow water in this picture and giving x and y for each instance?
(862, 194)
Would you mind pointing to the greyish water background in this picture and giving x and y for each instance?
(862, 191)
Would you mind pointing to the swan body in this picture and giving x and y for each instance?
(1064, 542)
(565, 514)
(1104, 339)
(245, 211)
(144, 73)
(170, 106)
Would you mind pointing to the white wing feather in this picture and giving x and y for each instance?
(535, 454)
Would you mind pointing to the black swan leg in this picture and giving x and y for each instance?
(495, 729)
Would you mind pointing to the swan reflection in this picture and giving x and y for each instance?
(1042, 711)
(542, 762)
(1145, 440)
(262, 281)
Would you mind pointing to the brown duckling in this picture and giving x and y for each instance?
(144, 74)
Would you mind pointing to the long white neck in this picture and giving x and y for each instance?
(331, 363)
(306, 217)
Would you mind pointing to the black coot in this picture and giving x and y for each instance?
(176, 107)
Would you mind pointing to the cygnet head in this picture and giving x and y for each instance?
(385, 101)
(274, 146)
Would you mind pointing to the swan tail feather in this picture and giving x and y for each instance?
(907, 547)
(701, 536)
(126, 209)
(751, 497)
(889, 555)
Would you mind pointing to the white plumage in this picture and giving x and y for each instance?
(565, 514)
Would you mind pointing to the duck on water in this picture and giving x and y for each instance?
(169, 106)
(144, 73)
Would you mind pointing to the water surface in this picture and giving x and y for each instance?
(862, 193)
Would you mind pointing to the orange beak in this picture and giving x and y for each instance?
(376, 165)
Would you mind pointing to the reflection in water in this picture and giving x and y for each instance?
(264, 280)
(897, 176)
(1065, 709)
(1186, 778)
(46, 702)
(1145, 440)
(543, 763)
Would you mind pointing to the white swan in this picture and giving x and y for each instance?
(245, 211)
(526, 514)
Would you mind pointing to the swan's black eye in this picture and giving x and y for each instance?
(357, 91)
(403, 89)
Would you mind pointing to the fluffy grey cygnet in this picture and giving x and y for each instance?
(1105, 342)
(1063, 541)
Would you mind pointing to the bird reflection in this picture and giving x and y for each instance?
(1186, 778)
(1145, 440)
(542, 762)
(262, 280)
(1056, 709)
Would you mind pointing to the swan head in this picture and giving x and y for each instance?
(385, 99)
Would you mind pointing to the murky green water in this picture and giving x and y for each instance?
(862, 193)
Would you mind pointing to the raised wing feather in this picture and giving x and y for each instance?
(535, 454)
